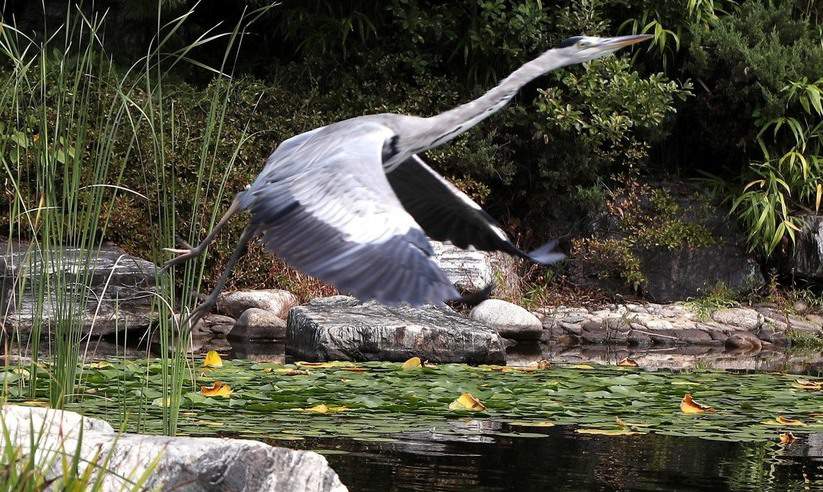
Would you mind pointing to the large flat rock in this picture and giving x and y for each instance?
(342, 328)
(184, 464)
(115, 290)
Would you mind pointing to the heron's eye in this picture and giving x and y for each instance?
(584, 43)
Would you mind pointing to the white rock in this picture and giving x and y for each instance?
(182, 463)
(510, 320)
(469, 271)
(277, 301)
(748, 319)
(658, 324)
(258, 324)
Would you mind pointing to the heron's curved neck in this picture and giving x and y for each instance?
(448, 125)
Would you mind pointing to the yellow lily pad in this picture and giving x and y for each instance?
(218, 388)
(212, 360)
(608, 432)
(323, 408)
(413, 363)
(468, 402)
(689, 406)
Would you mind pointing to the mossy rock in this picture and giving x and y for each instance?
(667, 241)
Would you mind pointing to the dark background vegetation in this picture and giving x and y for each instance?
(728, 89)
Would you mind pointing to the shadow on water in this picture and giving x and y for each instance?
(494, 458)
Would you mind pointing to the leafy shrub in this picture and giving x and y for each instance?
(765, 63)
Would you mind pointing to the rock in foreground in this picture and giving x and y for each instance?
(183, 463)
(342, 328)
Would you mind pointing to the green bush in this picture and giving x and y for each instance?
(764, 63)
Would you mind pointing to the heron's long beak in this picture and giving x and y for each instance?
(623, 41)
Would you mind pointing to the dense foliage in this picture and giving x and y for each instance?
(733, 90)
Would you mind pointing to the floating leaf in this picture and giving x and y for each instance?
(216, 389)
(413, 363)
(581, 366)
(787, 438)
(213, 360)
(787, 421)
(101, 364)
(527, 423)
(323, 408)
(333, 364)
(34, 403)
(161, 402)
(543, 364)
(627, 362)
(607, 432)
(467, 401)
(285, 371)
(690, 406)
(808, 385)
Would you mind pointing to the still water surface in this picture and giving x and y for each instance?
(494, 459)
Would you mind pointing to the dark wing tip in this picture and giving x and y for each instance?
(546, 254)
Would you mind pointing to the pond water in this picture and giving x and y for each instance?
(490, 457)
(566, 427)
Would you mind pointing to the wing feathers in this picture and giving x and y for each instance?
(325, 206)
(447, 214)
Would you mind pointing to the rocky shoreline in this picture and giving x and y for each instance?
(342, 328)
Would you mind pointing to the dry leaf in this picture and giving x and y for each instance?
(216, 389)
(581, 366)
(212, 360)
(102, 364)
(285, 371)
(787, 421)
(627, 362)
(543, 364)
(354, 369)
(323, 408)
(467, 401)
(787, 438)
(333, 364)
(526, 423)
(690, 406)
(808, 385)
(607, 432)
(413, 363)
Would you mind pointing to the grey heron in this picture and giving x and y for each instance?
(353, 204)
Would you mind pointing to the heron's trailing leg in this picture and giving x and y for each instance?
(193, 251)
(211, 300)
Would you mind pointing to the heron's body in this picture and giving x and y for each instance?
(353, 204)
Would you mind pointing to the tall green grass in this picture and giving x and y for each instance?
(74, 123)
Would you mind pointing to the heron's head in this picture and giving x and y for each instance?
(579, 49)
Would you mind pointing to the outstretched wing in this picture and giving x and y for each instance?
(324, 205)
(448, 214)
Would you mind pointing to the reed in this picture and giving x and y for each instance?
(75, 121)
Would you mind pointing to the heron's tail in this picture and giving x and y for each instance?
(546, 254)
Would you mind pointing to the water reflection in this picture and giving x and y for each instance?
(491, 456)
(675, 358)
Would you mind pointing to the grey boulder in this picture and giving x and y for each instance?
(213, 324)
(180, 463)
(343, 328)
(275, 300)
(258, 324)
(510, 320)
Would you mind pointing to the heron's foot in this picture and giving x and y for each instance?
(200, 311)
(183, 255)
